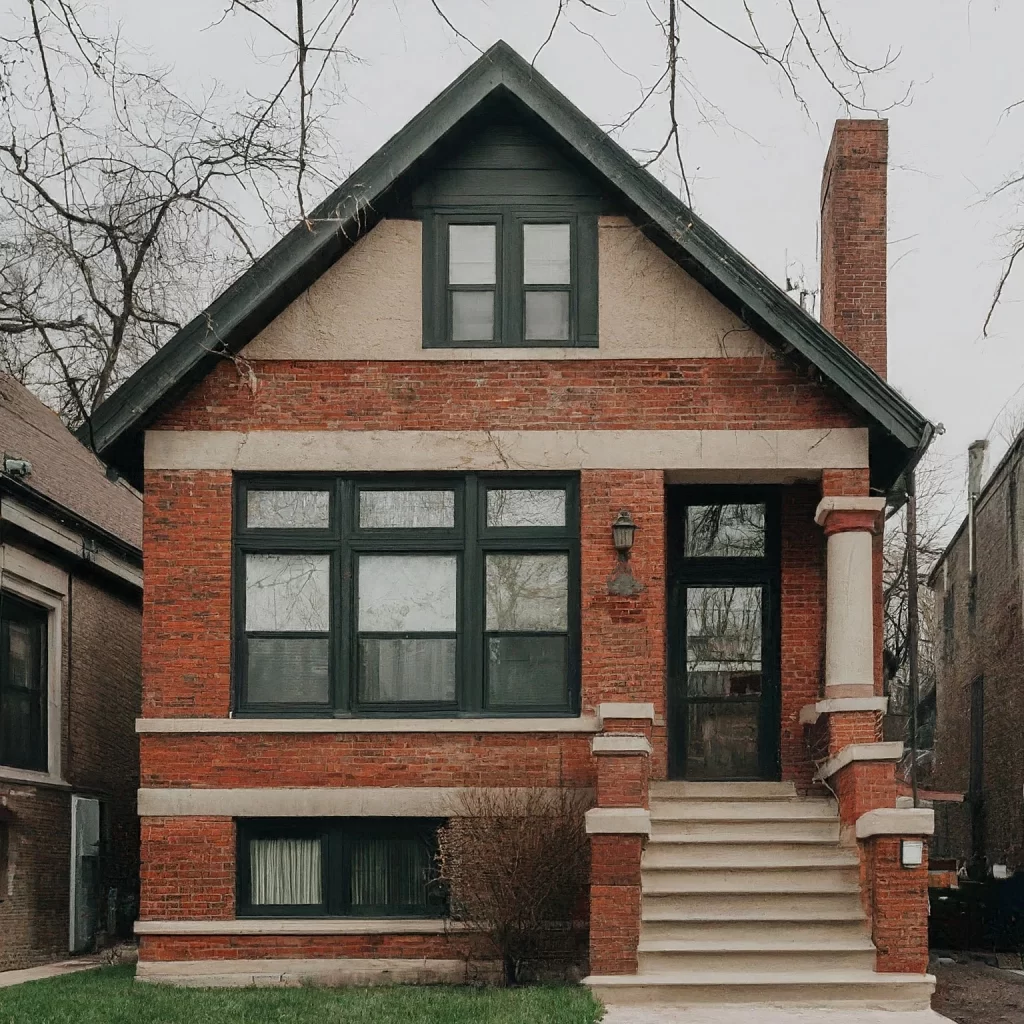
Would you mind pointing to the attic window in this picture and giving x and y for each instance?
(510, 278)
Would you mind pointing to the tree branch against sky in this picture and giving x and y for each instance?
(119, 204)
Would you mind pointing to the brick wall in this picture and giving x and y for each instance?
(853, 238)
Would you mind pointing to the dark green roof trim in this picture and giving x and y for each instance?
(287, 269)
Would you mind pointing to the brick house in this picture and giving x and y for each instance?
(976, 708)
(70, 680)
(507, 471)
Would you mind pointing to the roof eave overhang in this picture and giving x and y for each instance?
(311, 247)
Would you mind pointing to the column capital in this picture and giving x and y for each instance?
(843, 514)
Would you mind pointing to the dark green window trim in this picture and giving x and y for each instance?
(23, 710)
(469, 540)
(338, 837)
(509, 288)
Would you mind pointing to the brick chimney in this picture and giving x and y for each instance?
(853, 238)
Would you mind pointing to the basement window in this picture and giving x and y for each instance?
(441, 595)
(338, 867)
(510, 277)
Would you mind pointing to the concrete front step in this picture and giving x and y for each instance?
(786, 830)
(780, 905)
(766, 933)
(859, 988)
(664, 852)
(723, 790)
(669, 956)
(742, 810)
(756, 879)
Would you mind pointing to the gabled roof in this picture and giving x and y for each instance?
(64, 471)
(898, 431)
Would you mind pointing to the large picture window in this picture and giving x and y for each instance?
(23, 684)
(338, 867)
(507, 276)
(397, 595)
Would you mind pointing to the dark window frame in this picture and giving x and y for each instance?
(510, 291)
(336, 835)
(726, 571)
(470, 540)
(14, 608)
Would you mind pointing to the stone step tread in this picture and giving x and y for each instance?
(839, 863)
(763, 944)
(725, 790)
(755, 915)
(742, 810)
(699, 888)
(664, 834)
(765, 858)
(762, 978)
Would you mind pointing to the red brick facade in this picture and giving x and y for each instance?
(188, 862)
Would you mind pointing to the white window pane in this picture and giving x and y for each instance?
(547, 316)
(407, 593)
(392, 510)
(288, 593)
(526, 507)
(285, 872)
(282, 510)
(546, 254)
(472, 316)
(471, 254)
(527, 592)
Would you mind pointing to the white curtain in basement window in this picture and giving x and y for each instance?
(285, 872)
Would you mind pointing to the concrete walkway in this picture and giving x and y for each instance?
(82, 963)
(752, 1014)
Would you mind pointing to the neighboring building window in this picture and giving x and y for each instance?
(23, 684)
(338, 867)
(400, 596)
(510, 278)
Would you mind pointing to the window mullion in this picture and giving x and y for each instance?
(470, 633)
(344, 600)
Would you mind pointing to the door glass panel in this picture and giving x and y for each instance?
(722, 740)
(724, 531)
(723, 642)
(405, 510)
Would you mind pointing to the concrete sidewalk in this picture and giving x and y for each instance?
(82, 963)
(752, 1014)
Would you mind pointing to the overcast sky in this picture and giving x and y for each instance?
(757, 165)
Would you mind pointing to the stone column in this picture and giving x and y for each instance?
(849, 524)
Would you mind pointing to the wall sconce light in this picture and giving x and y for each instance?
(622, 533)
(912, 853)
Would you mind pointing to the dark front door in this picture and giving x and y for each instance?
(723, 633)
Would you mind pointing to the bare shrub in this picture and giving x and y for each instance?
(516, 864)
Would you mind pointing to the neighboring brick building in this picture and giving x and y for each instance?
(70, 675)
(390, 481)
(977, 704)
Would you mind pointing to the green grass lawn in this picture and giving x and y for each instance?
(110, 996)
